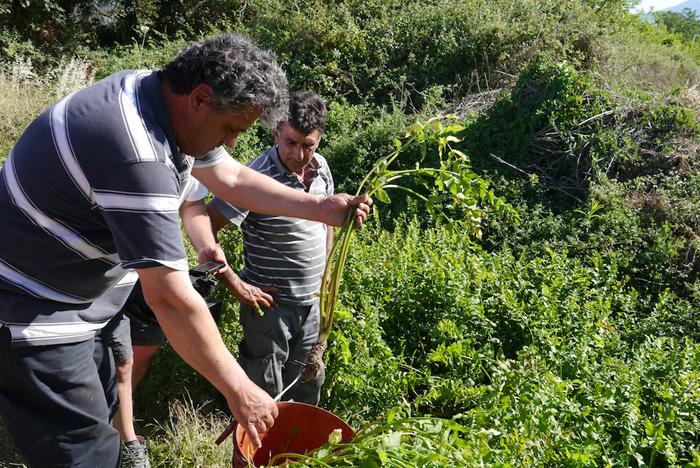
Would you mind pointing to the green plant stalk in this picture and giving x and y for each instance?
(333, 271)
(377, 180)
(330, 284)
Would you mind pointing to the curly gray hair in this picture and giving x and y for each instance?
(241, 75)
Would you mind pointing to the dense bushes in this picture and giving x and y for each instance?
(521, 350)
(365, 51)
(563, 126)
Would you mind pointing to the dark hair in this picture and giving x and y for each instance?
(242, 76)
(307, 112)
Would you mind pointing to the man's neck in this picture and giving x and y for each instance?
(174, 105)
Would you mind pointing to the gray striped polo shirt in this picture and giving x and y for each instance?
(90, 191)
(287, 253)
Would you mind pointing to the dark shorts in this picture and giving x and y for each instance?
(57, 402)
(145, 334)
(117, 334)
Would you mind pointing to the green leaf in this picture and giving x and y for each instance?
(453, 128)
(392, 440)
(382, 196)
(649, 427)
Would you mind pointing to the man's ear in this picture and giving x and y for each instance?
(276, 134)
(200, 94)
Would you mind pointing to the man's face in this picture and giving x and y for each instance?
(296, 149)
(207, 128)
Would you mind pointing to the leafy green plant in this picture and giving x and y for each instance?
(400, 442)
(185, 438)
(455, 184)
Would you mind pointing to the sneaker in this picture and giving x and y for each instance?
(134, 455)
(142, 441)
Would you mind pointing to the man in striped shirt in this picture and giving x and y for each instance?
(90, 192)
(284, 258)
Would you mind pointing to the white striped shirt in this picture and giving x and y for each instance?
(287, 253)
(90, 191)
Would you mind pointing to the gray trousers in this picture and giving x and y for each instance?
(275, 345)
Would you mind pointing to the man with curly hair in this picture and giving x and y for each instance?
(89, 195)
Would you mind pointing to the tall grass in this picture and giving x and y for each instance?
(24, 93)
(187, 438)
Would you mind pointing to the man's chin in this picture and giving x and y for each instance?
(199, 154)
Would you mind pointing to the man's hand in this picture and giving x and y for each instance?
(334, 208)
(247, 293)
(212, 252)
(254, 409)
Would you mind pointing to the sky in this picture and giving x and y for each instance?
(646, 5)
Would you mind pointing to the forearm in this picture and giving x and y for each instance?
(197, 224)
(244, 187)
(217, 220)
(231, 281)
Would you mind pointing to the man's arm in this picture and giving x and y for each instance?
(244, 292)
(188, 325)
(198, 226)
(244, 187)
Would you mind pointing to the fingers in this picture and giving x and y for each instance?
(266, 301)
(359, 220)
(261, 296)
(252, 432)
(362, 206)
(213, 253)
(362, 209)
(255, 428)
(364, 199)
(254, 409)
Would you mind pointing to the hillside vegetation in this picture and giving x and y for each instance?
(562, 332)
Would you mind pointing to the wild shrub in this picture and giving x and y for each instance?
(647, 226)
(369, 52)
(561, 125)
(518, 348)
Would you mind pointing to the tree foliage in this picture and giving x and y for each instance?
(685, 23)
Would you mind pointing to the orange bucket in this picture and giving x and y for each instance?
(299, 428)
